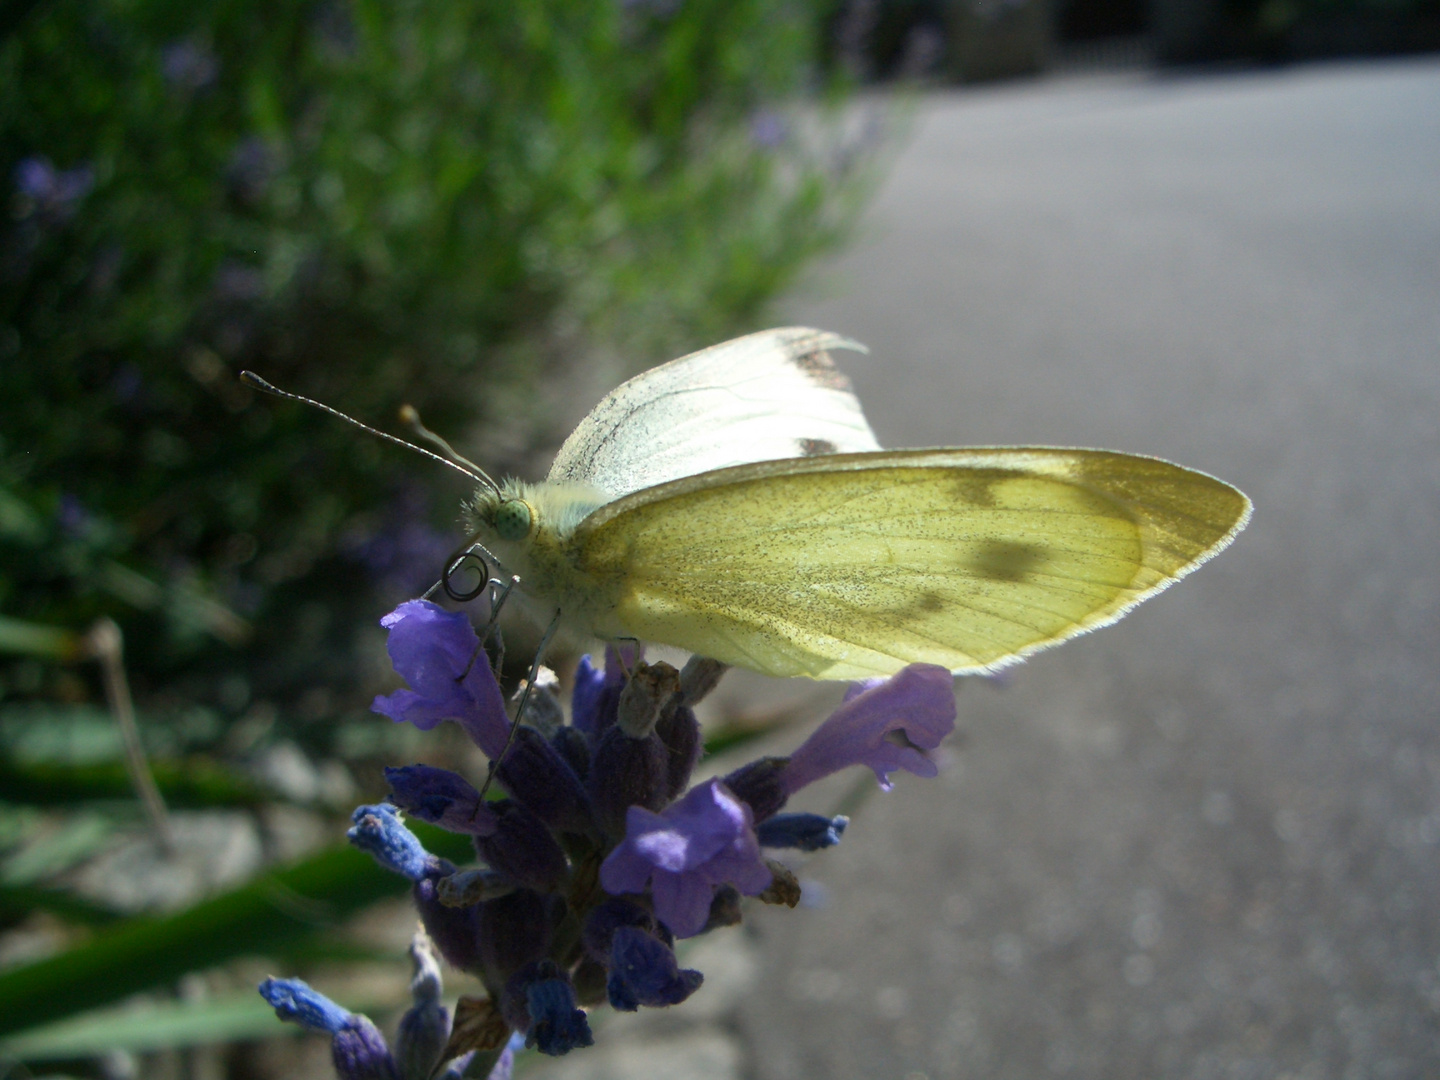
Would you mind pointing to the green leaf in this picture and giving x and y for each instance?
(264, 917)
(55, 851)
(190, 783)
(36, 639)
(17, 901)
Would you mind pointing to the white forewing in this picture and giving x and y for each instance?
(774, 394)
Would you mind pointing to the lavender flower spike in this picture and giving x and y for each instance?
(918, 702)
(684, 853)
(431, 648)
(358, 1049)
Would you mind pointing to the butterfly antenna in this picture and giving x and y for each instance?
(411, 416)
(255, 382)
(524, 700)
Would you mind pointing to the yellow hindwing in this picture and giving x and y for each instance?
(854, 565)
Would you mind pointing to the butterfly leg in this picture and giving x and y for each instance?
(524, 698)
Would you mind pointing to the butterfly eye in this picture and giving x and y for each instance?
(512, 519)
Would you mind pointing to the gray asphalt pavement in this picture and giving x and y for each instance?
(1205, 842)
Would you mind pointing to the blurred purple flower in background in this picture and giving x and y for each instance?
(399, 548)
(189, 65)
(768, 129)
(74, 520)
(660, 9)
(252, 165)
(50, 193)
(236, 283)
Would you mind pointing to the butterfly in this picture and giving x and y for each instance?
(735, 503)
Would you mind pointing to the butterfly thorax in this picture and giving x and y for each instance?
(528, 527)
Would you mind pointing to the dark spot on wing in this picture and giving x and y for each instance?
(815, 447)
(931, 601)
(975, 490)
(1005, 560)
(820, 369)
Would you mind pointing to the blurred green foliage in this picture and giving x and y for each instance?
(368, 203)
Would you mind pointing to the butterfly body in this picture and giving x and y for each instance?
(837, 560)
(530, 528)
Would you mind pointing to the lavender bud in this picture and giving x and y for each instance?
(440, 797)
(643, 971)
(540, 1000)
(680, 732)
(515, 930)
(425, 1027)
(607, 917)
(647, 692)
(522, 848)
(572, 745)
(359, 1053)
(379, 831)
(698, 677)
(807, 832)
(537, 775)
(454, 930)
(628, 772)
(760, 785)
(357, 1048)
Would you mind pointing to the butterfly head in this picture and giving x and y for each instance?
(527, 529)
(504, 514)
(517, 512)
(512, 519)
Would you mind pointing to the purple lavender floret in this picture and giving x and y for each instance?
(441, 797)
(539, 776)
(596, 698)
(378, 831)
(599, 858)
(438, 653)
(917, 705)
(683, 854)
(593, 695)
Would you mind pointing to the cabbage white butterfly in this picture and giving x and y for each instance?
(735, 503)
